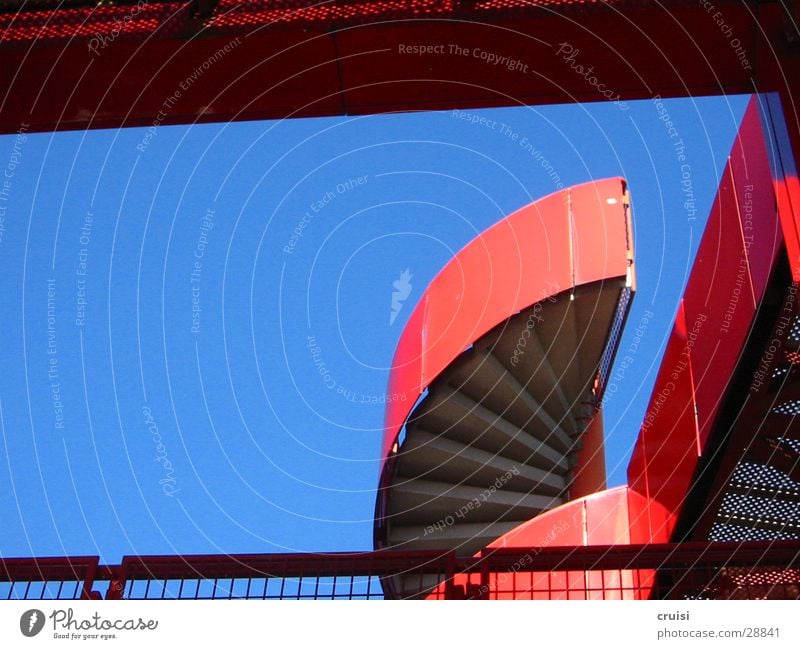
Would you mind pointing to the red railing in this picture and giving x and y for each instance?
(48, 578)
(759, 570)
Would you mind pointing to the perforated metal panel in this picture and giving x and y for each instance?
(749, 473)
(736, 533)
(760, 500)
(761, 504)
(748, 507)
(91, 22)
(614, 336)
(794, 332)
(788, 408)
(793, 444)
(230, 13)
(793, 357)
(779, 371)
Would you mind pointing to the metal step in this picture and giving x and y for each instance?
(483, 378)
(465, 538)
(437, 458)
(456, 416)
(519, 350)
(425, 502)
(507, 412)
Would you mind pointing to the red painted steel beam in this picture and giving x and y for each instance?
(47, 568)
(69, 69)
(639, 556)
(382, 562)
(780, 118)
(614, 571)
(83, 570)
(738, 251)
(750, 418)
(337, 564)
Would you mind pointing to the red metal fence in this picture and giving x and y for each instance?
(760, 570)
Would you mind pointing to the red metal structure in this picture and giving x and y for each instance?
(741, 256)
(712, 505)
(511, 344)
(687, 570)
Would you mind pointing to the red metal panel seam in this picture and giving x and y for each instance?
(423, 335)
(585, 522)
(629, 239)
(570, 229)
(694, 404)
(339, 76)
(785, 181)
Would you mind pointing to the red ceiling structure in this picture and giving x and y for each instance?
(718, 457)
(74, 65)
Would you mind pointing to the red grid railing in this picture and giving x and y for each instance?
(48, 578)
(758, 570)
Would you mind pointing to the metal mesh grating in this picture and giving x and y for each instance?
(766, 476)
(18, 6)
(788, 408)
(750, 583)
(726, 532)
(52, 20)
(89, 22)
(794, 332)
(793, 444)
(764, 577)
(757, 507)
(613, 337)
(234, 13)
(793, 358)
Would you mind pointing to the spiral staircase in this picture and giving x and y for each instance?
(496, 437)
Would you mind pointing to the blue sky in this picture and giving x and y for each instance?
(182, 372)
